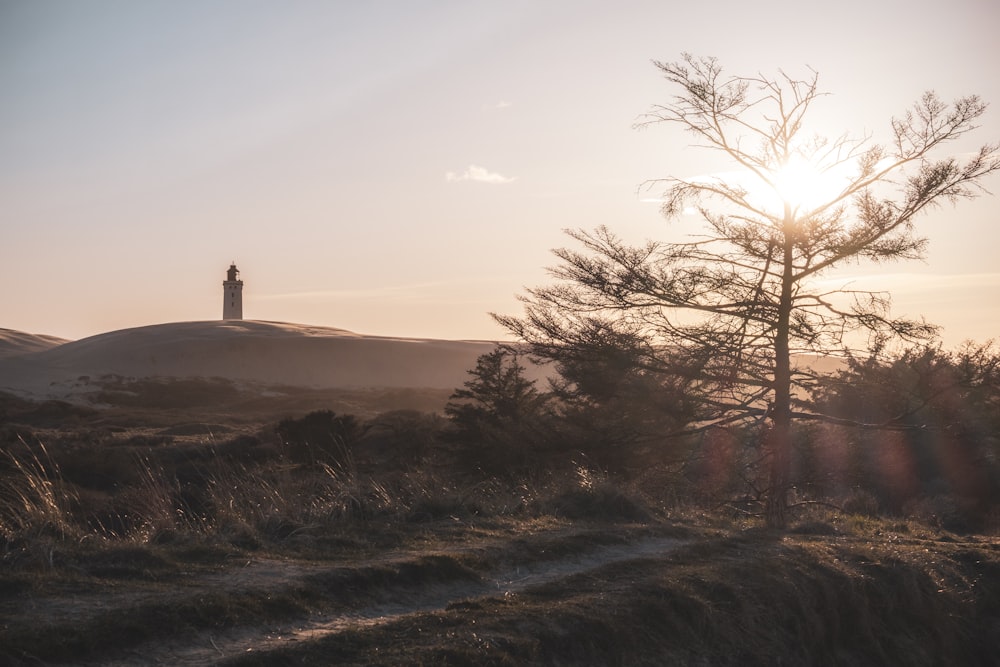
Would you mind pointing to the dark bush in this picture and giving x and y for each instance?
(104, 469)
(400, 438)
(319, 437)
(601, 502)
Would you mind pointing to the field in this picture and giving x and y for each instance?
(180, 523)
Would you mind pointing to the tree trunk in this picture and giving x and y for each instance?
(776, 504)
(780, 434)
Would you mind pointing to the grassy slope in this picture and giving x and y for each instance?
(869, 592)
(752, 598)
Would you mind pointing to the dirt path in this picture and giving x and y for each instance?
(208, 649)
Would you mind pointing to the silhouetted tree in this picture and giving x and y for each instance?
(499, 411)
(729, 310)
(921, 422)
(611, 408)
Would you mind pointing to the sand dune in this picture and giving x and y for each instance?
(16, 343)
(263, 352)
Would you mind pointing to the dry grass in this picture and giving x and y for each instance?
(111, 538)
(34, 501)
(749, 598)
(836, 589)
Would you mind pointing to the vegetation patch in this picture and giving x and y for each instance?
(754, 598)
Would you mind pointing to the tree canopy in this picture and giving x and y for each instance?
(729, 310)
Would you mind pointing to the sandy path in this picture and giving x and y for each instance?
(208, 649)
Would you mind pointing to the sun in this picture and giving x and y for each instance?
(802, 183)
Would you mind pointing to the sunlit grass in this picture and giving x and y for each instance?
(34, 503)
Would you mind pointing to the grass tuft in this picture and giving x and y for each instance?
(34, 504)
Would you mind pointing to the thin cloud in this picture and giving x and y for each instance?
(479, 175)
(920, 283)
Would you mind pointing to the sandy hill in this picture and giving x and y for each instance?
(16, 343)
(263, 352)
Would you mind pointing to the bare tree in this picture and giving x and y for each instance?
(730, 309)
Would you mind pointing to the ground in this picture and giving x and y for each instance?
(539, 591)
(452, 575)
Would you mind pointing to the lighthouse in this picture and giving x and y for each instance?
(232, 292)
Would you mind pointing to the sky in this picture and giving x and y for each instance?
(404, 168)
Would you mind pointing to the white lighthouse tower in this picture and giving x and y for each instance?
(232, 304)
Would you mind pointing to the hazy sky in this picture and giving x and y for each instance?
(403, 168)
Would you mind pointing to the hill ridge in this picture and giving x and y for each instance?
(251, 350)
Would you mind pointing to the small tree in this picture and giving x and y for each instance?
(499, 410)
(729, 310)
(612, 409)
